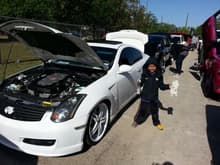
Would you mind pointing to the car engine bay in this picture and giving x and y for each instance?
(49, 83)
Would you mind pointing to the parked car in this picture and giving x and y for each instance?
(69, 100)
(156, 45)
(159, 46)
(209, 57)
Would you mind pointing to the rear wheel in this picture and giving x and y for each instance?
(162, 64)
(97, 124)
(169, 61)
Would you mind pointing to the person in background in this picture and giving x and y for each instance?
(152, 81)
(179, 53)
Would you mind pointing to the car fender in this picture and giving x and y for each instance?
(94, 97)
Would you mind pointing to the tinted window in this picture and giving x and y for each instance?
(155, 39)
(129, 56)
(107, 55)
(175, 39)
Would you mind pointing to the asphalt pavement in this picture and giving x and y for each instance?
(190, 136)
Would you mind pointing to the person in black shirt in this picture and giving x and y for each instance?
(151, 80)
(179, 53)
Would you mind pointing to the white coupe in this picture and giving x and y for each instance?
(57, 107)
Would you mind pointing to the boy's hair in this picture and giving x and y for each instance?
(151, 60)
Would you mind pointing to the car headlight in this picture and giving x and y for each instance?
(67, 109)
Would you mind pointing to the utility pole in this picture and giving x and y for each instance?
(147, 9)
(187, 17)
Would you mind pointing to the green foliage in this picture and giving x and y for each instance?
(198, 31)
(108, 14)
(37, 9)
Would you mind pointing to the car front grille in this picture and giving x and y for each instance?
(20, 111)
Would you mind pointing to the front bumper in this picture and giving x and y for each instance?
(67, 137)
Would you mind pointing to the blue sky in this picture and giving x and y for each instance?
(175, 11)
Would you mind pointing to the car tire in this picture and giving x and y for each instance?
(206, 84)
(162, 65)
(97, 124)
(169, 61)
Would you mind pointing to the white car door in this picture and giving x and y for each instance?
(130, 69)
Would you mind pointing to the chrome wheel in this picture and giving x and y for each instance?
(98, 123)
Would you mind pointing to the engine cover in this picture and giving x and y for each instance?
(49, 85)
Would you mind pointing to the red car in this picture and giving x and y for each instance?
(210, 57)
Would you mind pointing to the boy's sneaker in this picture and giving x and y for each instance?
(159, 126)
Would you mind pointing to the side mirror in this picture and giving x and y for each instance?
(124, 69)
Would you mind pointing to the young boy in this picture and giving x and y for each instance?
(152, 80)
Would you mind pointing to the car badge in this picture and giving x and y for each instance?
(9, 110)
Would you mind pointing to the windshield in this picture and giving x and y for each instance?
(154, 40)
(107, 55)
(175, 39)
(15, 56)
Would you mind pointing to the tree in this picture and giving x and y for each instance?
(27, 9)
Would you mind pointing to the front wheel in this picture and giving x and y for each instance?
(97, 124)
(206, 84)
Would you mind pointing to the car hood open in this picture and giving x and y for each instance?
(48, 43)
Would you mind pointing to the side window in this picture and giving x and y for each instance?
(129, 56)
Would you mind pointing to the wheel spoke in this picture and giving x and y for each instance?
(103, 120)
(95, 128)
(101, 113)
(100, 129)
(95, 116)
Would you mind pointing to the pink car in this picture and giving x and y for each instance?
(210, 56)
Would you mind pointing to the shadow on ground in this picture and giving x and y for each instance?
(165, 163)
(122, 112)
(194, 70)
(12, 157)
(213, 132)
(172, 69)
(195, 75)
